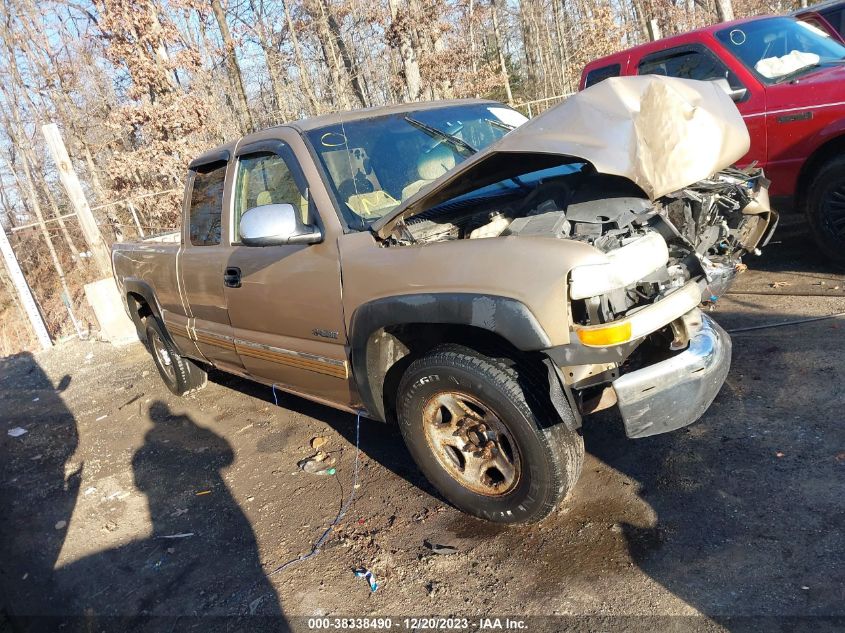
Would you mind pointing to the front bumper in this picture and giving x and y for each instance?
(675, 392)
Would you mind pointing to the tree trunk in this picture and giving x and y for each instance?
(21, 87)
(351, 71)
(724, 10)
(15, 131)
(407, 52)
(271, 58)
(234, 69)
(304, 76)
(500, 47)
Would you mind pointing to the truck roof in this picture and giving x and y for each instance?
(224, 151)
(675, 40)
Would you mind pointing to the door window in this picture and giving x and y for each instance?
(688, 64)
(206, 207)
(268, 179)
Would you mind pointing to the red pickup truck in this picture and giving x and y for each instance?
(788, 81)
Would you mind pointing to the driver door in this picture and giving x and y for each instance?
(285, 305)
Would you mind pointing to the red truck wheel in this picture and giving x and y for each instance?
(826, 210)
(479, 432)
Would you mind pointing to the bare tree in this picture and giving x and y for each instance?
(725, 10)
(232, 65)
(399, 37)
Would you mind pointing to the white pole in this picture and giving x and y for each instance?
(98, 248)
(27, 301)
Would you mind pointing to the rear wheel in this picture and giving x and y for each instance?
(180, 374)
(481, 433)
(826, 210)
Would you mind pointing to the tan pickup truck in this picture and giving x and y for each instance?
(481, 279)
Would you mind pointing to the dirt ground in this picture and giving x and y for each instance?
(123, 500)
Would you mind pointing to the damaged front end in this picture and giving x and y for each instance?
(639, 168)
(698, 234)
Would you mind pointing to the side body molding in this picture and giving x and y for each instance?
(506, 317)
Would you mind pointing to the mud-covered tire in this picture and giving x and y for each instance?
(546, 452)
(181, 375)
(825, 210)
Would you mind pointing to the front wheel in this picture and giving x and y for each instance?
(479, 431)
(826, 210)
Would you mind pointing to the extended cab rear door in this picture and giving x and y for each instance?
(202, 262)
(286, 310)
(699, 61)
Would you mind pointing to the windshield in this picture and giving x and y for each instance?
(779, 48)
(374, 164)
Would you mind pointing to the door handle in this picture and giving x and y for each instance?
(232, 277)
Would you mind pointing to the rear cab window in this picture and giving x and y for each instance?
(205, 208)
(836, 18)
(600, 74)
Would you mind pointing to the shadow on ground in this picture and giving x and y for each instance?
(36, 471)
(747, 500)
(167, 578)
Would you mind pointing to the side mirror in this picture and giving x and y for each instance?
(276, 225)
(736, 94)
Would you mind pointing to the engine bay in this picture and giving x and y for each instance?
(708, 227)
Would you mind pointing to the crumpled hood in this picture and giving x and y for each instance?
(662, 133)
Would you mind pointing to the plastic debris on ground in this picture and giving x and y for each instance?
(319, 464)
(17, 431)
(367, 575)
(439, 548)
(183, 535)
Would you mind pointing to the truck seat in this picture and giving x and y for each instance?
(430, 166)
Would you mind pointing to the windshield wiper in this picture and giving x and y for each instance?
(800, 71)
(795, 73)
(460, 145)
(500, 124)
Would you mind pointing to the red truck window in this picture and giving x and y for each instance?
(206, 207)
(755, 43)
(836, 18)
(600, 74)
(688, 63)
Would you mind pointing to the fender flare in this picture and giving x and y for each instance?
(506, 317)
(139, 287)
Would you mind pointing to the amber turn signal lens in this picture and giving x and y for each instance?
(609, 335)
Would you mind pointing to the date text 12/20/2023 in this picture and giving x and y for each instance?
(417, 624)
